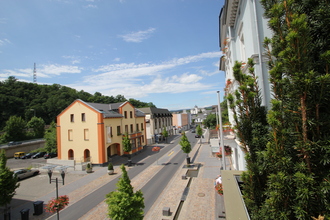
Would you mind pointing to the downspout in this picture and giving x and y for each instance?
(260, 53)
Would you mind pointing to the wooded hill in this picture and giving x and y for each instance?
(46, 101)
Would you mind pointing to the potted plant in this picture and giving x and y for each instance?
(110, 168)
(89, 168)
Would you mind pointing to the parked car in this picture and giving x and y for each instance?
(50, 155)
(193, 131)
(197, 136)
(39, 154)
(25, 173)
(13, 143)
(29, 155)
(18, 155)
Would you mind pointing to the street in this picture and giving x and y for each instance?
(150, 191)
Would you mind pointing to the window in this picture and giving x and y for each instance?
(72, 117)
(125, 114)
(118, 130)
(241, 42)
(86, 134)
(137, 127)
(131, 114)
(109, 133)
(142, 126)
(126, 128)
(131, 128)
(70, 135)
(133, 145)
(83, 117)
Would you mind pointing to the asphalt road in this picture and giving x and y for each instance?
(151, 191)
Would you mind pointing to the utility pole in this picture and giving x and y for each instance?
(35, 73)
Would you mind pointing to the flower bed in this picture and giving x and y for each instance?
(57, 204)
(156, 149)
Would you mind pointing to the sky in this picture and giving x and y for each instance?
(160, 51)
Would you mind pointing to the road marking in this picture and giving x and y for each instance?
(170, 153)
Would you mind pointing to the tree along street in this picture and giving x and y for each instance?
(151, 190)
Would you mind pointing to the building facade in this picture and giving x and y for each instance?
(93, 132)
(242, 30)
(156, 120)
(181, 122)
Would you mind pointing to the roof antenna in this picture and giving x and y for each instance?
(35, 73)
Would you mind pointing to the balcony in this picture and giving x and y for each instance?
(233, 200)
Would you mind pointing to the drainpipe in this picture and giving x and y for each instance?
(260, 53)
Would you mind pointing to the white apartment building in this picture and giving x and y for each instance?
(242, 29)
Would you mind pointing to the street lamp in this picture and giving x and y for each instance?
(33, 111)
(221, 134)
(62, 170)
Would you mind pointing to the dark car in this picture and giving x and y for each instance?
(25, 173)
(50, 155)
(26, 156)
(193, 131)
(197, 136)
(38, 155)
(11, 143)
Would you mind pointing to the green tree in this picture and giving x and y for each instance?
(51, 138)
(210, 121)
(18, 98)
(8, 182)
(297, 155)
(165, 134)
(127, 146)
(124, 204)
(15, 129)
(224, 111)
(38, 127)
(199, 132)
(185, 144)
(252, 131)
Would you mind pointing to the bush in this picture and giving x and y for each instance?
(110, 166)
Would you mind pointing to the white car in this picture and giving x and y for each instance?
(25, 173)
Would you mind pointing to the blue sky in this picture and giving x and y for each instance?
(161, 51)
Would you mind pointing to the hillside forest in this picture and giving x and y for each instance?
(26, 100)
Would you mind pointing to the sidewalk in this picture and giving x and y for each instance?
(202, 201)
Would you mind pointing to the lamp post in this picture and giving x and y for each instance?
(221, 134)
(50, 173)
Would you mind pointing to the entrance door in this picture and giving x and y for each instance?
(87, 156)
(70, 155)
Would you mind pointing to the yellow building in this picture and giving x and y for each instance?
(94, 132)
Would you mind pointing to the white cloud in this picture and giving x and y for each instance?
(73, 59)
(55, 69)
(117, 59)
(4, 42)
(139, 36)
(90, 6)
(43, 71)
(138, 80)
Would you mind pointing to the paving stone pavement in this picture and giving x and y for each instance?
(201, 202)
